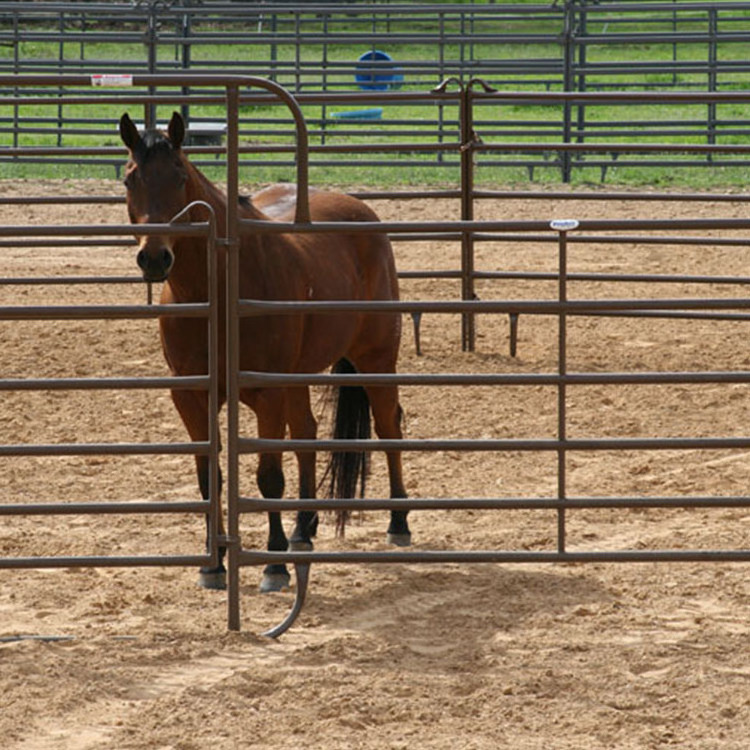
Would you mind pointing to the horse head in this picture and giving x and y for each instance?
(155, 179)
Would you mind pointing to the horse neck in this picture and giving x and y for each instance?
(189, 277)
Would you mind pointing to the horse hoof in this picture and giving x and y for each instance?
(215, 580)
(299, 546)
(274, 582)
(399, 540)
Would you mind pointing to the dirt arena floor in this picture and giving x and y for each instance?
(484, 657)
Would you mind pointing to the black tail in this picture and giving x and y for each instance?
(351, 422)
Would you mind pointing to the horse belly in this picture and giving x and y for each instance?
(326, 339)
(300, 343)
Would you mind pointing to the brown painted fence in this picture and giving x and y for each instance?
(81, 235)
(562, 308)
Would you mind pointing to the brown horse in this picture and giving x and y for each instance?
(160, 182)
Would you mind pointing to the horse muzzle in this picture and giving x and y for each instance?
(155, 262)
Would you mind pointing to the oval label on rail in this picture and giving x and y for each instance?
(563, 225)
(111, 79)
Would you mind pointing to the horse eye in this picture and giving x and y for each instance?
(130, 180)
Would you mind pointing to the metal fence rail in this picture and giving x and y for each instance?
(561, 445)
(561, 379)
(85, 236)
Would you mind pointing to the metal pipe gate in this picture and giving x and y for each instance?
(67, 235)
(562, 379)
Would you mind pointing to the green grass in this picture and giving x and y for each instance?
(496, 124)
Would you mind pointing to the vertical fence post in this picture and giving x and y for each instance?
(467, 214)
(61, 62)
(16, 70)
(150, 42)
(578, 82)
(469, 140)
(273, 47)
(568, 58)
(214, 437)
(297, 51)
(712, 78)
(562, 227)
(232, 359)
(562, 365)
(186, 54)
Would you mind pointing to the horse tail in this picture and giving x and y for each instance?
(346, 469)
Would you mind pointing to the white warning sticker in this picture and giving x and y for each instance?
(563, 225)
(111, 79)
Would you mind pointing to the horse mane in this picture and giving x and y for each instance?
(154, 142)
(248, 208)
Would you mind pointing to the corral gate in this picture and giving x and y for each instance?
(562, 308)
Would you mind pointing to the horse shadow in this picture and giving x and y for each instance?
(426, 606)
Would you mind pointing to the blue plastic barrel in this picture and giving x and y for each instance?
(381, 76)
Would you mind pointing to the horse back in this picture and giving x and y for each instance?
(276, 201)
(365, 255)
(279, 202)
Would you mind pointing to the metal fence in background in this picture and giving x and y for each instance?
(359, 70)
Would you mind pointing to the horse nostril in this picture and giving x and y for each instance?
(142, 260)
(167, 259)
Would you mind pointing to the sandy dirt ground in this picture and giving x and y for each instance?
(650, 655)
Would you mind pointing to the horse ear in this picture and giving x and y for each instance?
(129, 132)
(176, 130)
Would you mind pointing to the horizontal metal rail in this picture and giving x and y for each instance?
(407, 227)
(174, 383)
(110, 508)
(197, 448)
(66, 280)
(59, 200)
(103, 561)
(257, 445)
(283, 380)
(256, 505)
(441, 557)
(248, 308)
(197, 229)
(98, 312)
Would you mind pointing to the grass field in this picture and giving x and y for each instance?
(530, 33)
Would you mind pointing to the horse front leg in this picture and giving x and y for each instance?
(192, 407)
(210, 577)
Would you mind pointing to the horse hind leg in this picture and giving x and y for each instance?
(269, 410)
(387, 415)
(302, 426)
